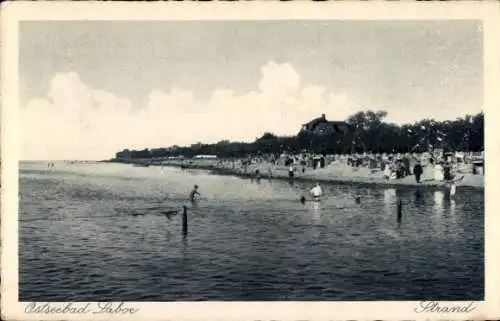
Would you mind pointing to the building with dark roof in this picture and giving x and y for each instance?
(321, 126)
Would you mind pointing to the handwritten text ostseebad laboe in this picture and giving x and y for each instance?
(119, 308)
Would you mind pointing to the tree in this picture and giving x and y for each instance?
(369, 133)
(268, 136)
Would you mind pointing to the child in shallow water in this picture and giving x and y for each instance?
(194, 193)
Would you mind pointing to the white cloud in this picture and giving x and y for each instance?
(75, 121)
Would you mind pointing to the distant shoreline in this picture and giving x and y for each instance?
(322, 175)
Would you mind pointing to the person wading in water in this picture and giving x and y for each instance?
(316, 192)
(194, 193)
(290, 172)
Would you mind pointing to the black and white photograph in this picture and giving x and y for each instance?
(250, 160)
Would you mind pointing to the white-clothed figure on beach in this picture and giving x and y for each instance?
(316, 191)
(438, 172)
(387, 171)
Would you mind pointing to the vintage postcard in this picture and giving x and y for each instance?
(255, 161)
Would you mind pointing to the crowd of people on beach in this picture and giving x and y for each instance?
(444, 167)
(422, 167)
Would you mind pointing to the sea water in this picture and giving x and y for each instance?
(95, 232)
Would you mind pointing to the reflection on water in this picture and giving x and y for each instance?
(446, 216)
(316, 208)
(316, 212)
(389, 194)
(453, 208)
(80, 240)
(438, 210)
(453, 225)
(312, 209)
(438, 201)
(389, 201)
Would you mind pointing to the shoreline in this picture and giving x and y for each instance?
(325, 175)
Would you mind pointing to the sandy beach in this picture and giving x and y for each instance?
(335, 172)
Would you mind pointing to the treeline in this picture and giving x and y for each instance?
(369, 133)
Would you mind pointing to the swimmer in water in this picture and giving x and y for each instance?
(194, 193)
(316, 192)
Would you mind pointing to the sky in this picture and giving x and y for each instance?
(91, 88)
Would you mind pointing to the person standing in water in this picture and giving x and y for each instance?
(316, 192)
(194, 193)
(417, 171)
(290, 171)
(453, 189)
